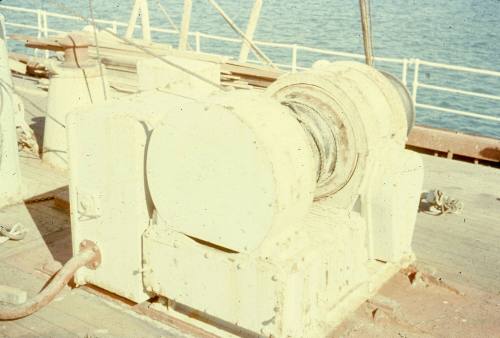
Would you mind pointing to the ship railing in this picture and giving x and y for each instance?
(413, 83)
(418, 84)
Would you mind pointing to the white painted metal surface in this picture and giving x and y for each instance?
(241, 170)
(208, 200)
(76, 82)
(10, 175)
(154, 73)
(109, 197)
(70, 88)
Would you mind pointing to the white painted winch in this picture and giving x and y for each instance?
(274, 212)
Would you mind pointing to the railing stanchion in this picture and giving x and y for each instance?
(415, 81)
(294, 58)
(38, 29)
(197, 40)
(404, 72)
(45, 30)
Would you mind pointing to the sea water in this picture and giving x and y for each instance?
(459, 32)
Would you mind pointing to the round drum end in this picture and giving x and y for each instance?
(215, 176)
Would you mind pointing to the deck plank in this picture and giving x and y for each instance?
(75, 313)
(463, 248)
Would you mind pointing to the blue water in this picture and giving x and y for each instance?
(461, 32)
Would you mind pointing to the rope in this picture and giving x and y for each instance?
(230, 22)
(170, 21)
(25, 135)
(17, 231)
(167, 16)
(39, 199)
(14, 232)
(436, 202)
(91, 11)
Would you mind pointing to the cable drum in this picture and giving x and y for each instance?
(381, 101)
(349, 112)
(409, 107)
(322, 138)
(321, 109)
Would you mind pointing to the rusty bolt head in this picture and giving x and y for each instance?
(96, 260)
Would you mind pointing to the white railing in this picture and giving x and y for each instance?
(417, 84)
(42, 29)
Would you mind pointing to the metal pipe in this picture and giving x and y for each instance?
(88, 256)
(367, 38)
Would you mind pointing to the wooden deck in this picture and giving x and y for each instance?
(459, 295)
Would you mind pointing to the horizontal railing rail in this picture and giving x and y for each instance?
(43, 30)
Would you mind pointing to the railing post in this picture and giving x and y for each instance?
(146, 29)
(404, 73)
(39, 28)
(39, 23)
(45, 30)
(197, 38)
(186, 18)
(415, 81)
(294, 58)
(114, 27)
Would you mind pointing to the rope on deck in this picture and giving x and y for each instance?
(436, 202)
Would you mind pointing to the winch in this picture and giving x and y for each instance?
(276, 211)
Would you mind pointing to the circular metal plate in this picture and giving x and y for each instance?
(224, 176)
